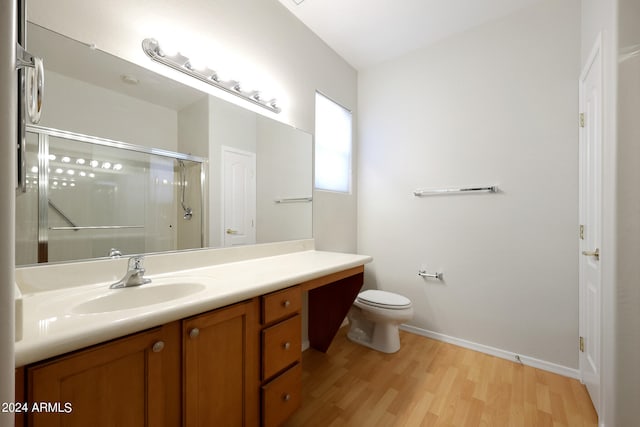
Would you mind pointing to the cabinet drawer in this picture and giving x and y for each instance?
(281, 397)
(281, 304)
(281, 346)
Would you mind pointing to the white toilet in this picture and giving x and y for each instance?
(374, 318)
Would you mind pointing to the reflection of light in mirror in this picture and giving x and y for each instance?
(106, 165)
(71, 172)
(80, 161)
(92, 175)
(64, 184)
(65, 159)
(52, 157)
(94, 163)
(34, 169)
(164, 181)
(117, 167)
(59, 170)
(55, 183)
(82, 173)
(73, 184)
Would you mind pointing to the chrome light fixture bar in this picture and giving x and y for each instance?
(181, 63)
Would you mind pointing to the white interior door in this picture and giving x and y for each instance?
(238, 197)
(591, 119)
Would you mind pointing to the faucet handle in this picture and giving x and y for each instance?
(135, 262)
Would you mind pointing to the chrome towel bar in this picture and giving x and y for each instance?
(491, 189)
(294, 200)
(98, 227)
(423, 273)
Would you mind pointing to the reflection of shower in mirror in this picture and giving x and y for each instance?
(188, 212)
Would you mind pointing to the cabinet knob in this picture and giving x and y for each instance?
(286, 303)
(286, 345)
(194, 333)
(158, 347)
(286, 397)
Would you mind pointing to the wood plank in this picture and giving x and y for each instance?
(432, 383)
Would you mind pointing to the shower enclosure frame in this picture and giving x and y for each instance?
(44, 133)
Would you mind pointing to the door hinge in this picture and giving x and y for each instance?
(581, 232)
(582, 344)
(581, 120)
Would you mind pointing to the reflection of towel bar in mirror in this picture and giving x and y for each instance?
(97, 227)
(295, 200)
(491, 189)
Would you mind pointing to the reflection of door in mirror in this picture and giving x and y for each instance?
(238, 196)
(87, 198)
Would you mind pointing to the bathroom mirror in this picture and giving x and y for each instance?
(168, 129)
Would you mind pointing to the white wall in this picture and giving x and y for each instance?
(261, 36)
(76, 106)
(8, 136)
(628, 216)
(283, 170)
(494, 105)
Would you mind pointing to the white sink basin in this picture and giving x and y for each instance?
(136, 297)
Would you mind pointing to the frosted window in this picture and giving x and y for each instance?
(333, 146)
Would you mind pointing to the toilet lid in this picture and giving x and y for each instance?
(383, 299)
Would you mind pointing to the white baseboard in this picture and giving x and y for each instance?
(526, 360)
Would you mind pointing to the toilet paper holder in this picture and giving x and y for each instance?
(423, 273)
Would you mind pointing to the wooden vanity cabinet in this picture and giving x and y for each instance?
(281, 355)
(220, 369)
(238, 365)
(130, 381)
(20, 395)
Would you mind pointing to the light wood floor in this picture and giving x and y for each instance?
(430, 383)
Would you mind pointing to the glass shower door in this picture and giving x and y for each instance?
(89, 200)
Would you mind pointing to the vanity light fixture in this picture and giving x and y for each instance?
(181, 63)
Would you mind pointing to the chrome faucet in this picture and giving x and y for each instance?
(134, 275)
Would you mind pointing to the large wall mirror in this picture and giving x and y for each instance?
(125, 161)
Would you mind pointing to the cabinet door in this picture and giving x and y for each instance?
(221, 363)
(132, 381)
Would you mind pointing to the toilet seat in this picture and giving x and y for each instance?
(383, 299)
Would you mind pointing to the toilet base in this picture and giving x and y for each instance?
(377, 333)
(385, 338)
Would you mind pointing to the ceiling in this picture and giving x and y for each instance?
(367, 32)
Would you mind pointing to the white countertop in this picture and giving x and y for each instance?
(52, 325)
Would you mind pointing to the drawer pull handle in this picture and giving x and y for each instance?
(286, 345)
(286, 303)
(194, 333)
(158, 347)
(286, 397)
